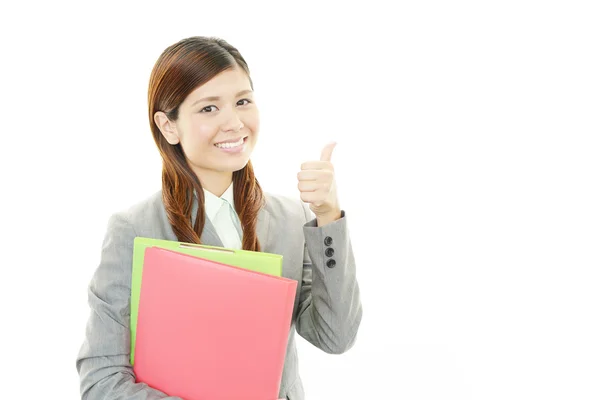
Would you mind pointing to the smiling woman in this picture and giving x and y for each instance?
(215, 119)
(205, 123)
(190, 129)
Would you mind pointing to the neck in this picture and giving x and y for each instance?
(215, 182)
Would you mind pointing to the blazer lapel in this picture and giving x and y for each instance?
(209, 233)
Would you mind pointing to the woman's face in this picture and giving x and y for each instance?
(218, 125)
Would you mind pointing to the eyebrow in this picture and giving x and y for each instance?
(216, 98)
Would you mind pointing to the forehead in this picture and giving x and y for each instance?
(227, 83)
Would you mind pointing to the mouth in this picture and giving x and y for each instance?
(232, 144)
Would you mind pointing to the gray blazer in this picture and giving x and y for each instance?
(327, 311)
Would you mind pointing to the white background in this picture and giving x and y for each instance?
(468, 163)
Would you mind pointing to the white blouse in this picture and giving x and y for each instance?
(221, 212)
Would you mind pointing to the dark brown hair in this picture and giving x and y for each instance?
(180, 69)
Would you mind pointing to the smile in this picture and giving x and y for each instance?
(231, 145)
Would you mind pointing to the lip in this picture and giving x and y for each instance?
(235, 150)
(232, 140)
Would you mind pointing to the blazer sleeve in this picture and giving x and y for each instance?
(330, 309)
(103, 360)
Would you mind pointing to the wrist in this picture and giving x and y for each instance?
(329, 217)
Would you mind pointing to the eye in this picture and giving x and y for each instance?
(207, 109)
(246, 100)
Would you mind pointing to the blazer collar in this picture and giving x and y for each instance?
(209, 234)
(212, 203)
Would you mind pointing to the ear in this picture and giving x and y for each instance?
(167, 127)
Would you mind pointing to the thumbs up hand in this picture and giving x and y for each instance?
(316, 182)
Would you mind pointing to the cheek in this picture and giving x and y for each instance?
(198, 139)
(203, 133)
(252, 121)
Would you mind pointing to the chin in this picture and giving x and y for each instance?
(235, 166)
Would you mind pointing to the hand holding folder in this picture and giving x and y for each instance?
(207, 330)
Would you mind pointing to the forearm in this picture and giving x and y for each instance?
(331, 309)
(116, 383)
(103, 360)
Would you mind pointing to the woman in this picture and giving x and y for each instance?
(205, 124)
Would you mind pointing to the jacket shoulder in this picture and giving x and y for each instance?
(142, 213)
(287, 207)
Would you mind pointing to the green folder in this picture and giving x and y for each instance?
(267, 263)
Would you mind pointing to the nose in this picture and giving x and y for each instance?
(233, 123)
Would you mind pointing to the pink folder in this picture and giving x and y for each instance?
(210, 331)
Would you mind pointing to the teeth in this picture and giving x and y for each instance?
(230, 145)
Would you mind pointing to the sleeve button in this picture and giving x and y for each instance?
(331, 263)
(328, 241)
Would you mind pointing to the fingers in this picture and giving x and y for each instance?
(316, 165)
(316, 179)
(327, 151)
(313, 175)
(311, 186)
(314, 198)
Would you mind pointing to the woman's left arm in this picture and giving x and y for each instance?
(330, 310)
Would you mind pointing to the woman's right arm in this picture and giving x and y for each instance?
(103, 361)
